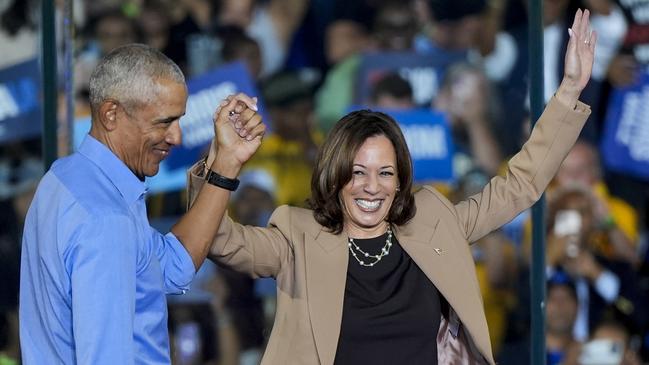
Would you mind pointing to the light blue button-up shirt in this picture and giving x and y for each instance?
(94, 274)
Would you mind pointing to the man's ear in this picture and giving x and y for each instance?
(108, 114)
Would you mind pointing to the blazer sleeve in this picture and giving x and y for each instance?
(528, 172)
(256, 251)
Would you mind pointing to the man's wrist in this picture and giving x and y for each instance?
(228, 168)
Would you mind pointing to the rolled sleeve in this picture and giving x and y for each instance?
(177, 265)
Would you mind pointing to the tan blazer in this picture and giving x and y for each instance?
(310, 264)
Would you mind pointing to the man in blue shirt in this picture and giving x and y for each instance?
(94, 274)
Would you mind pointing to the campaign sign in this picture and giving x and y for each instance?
(20, 105)
(625, 143)
(424, 72)
(205, 93)
(429, 141)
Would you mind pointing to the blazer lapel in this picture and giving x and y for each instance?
(326, 273)
(439, 256)
(430, 253)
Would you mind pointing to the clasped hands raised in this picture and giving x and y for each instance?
(238, 132)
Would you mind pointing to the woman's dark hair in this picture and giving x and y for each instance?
(333, 167)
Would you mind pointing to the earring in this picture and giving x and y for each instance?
(398, 190)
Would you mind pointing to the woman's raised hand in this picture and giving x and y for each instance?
(579, 58)
(239, 130)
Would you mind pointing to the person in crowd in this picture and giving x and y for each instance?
(394, 27)
(472, 109)
(94, 273)
(560, 315)
(272, 24)
(238, 46)
(373, 272)
(110, 30)
(452, 28)
(392, 92)
(616, 231)
(18, 35)
(393, 30)
(603, 285)
(609, 24)
(155, 26)
(609, 344)
(289, 151)
(345, 41)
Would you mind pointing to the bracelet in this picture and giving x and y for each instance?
(221, 181)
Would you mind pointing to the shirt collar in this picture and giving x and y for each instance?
(129, 185)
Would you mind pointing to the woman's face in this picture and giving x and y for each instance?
(368, 196)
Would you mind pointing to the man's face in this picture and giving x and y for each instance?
(113, 32)
(561, 310)
(578, 168)
(395, 29)
(148, 131)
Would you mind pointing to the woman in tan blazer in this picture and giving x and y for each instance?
(375, 273)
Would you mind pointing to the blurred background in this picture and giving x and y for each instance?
(454, 73)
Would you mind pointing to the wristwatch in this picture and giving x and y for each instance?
(221, 181)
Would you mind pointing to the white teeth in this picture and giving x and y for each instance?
(368, 205)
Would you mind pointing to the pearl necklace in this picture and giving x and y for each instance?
(353, 247)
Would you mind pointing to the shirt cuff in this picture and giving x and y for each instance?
(180, 275)
(607, 285)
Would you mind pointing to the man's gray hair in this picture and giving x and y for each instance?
(129, 74)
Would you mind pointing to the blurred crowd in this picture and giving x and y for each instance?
(304, 57)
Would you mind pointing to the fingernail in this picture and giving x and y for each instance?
(570, 31)
(249, 138)
(238, 124)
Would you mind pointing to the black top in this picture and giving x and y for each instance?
(391, 311)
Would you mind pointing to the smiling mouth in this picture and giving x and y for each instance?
(369, 205)
(162, 153)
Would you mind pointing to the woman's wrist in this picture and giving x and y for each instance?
(568, 93)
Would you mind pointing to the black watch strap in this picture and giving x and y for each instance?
(221, 181)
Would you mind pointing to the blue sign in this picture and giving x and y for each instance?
(429, 141)
(20, 105)
(205, 93)
(424, 72)
(625, 144)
